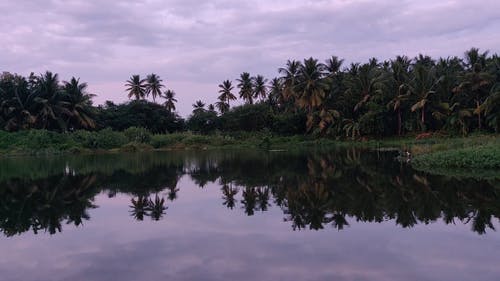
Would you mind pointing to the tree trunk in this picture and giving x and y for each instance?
(478, 115)
(423, 118)
(399, 121)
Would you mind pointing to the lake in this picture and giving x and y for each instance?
(344, 214)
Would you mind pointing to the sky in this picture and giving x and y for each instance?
(194, 45)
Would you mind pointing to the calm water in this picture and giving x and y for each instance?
(244, 215)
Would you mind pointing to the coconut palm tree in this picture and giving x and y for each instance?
(311, 86)
(423, 86)
(275, 95)
(198, 106)
(476, 82)
(225, 92)
(136, 87)
(78, 106)
(364, 83)
(48, 102)
(170, 100)
(222, 106)
(153, 86)
(332, 65)
(246, 87)
(289, 75)
(259, 87)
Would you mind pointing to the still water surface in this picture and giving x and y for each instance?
(244, 215)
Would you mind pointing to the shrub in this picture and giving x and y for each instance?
(137, 134)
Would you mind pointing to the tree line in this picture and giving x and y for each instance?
(394, 97)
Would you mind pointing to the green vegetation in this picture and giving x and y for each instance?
(423, 105)
(487, 157)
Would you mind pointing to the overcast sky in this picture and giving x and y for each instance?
(194, 45)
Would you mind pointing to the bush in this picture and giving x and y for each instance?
(136, 134)
(104, 139)
(158, 141)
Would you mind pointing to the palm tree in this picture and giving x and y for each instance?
(423, 86)
(246, 87)
(275, 96)
(363, 83)
(311, 86)
(399, 69)
(225, 92)
(476, 81)
(153, 86)
(136, 87)
(48, 101)
(78, 104)
(170, 100)
(16, 101)
(259, 87)
(332, 65)
(289, 76)
(198, 106)
(222, 106)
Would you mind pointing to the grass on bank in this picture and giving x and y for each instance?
(436, 152)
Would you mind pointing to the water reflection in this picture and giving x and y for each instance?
(313, 190)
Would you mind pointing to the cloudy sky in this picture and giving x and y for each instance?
(194, 45)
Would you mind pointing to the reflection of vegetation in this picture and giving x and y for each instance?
(45, 204)
(313, 189)
(229, 194)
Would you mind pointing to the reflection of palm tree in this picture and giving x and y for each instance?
(229, 194)
(172, 192)
(263, 198)
(139, 207)
(157, 208)
(249, 200)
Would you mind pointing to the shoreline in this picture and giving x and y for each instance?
(433, 153)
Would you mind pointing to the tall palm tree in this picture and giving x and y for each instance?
(48, 101)
(259, 87)
(275, 95)
(79, 104)
(332, 65)
(476, 82)
(222, 106)
(246, 87)
(198, 106)
(399, 69)
(225, 92)
(289, 75)
(422, 86)
(311, 86)
(136, 87)
(170, 100)
(153, 86)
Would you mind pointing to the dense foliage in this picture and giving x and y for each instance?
(395, 97)
(376, 98)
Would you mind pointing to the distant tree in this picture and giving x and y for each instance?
(198, 106)
(225, 92)
(153, 86)
(259, 87)
(136, 87)
(246, 87)
(170, 100)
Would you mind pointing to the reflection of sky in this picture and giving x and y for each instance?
(199, 239)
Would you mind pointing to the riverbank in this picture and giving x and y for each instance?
(431, 153)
